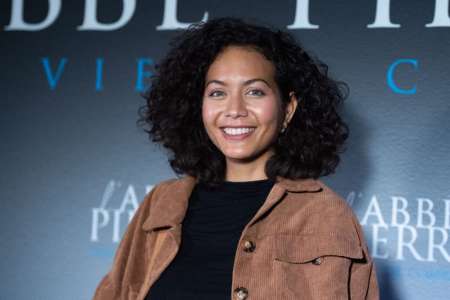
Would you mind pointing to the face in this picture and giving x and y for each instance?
(241, 110)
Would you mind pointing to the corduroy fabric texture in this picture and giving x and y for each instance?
(308, 244)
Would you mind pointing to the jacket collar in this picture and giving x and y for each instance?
(169, 210)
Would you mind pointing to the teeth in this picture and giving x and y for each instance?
(237, 131)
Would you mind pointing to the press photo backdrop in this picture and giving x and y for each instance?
(75, 166)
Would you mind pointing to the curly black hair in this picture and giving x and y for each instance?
(310, 145)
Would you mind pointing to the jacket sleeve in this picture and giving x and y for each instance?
(113, 284)
(363, 277)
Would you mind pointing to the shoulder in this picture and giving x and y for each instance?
(318, 195)
(168, 188)
(329, 212)
(330, 201)
(155, 193)
(161, 187)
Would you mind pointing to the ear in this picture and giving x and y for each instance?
(290, 108)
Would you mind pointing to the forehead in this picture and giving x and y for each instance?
(241, 61)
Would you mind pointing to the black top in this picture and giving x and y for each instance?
(214, 221)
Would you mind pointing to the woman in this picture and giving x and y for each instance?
(251, 121)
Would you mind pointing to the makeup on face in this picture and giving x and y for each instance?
(241, 107)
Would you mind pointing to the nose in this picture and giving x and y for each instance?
(236, 107)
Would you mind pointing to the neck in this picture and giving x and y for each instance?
(247, 170)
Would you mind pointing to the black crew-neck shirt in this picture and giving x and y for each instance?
(214, 221)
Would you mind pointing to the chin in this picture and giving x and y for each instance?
(241, 156)
(237, 155)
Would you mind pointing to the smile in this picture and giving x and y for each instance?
(237, 133)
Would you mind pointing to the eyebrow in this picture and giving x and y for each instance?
(247, 82)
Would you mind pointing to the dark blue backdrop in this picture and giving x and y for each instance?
(75, 166)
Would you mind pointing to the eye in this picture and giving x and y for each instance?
(214, 93)
(258, 92)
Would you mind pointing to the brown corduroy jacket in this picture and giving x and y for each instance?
(304, 242)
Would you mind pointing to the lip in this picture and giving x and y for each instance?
(237, 126)
(238, 137)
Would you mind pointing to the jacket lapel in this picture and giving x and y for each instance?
(170, 209)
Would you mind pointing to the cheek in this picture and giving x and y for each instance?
(268, 113)
(206, 113)
(209, 113)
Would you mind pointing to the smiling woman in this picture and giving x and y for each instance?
(226, 73)
(242, 111)
(252, 121)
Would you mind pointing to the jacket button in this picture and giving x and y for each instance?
(249, 246)
(241, 292)
(317, 261)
